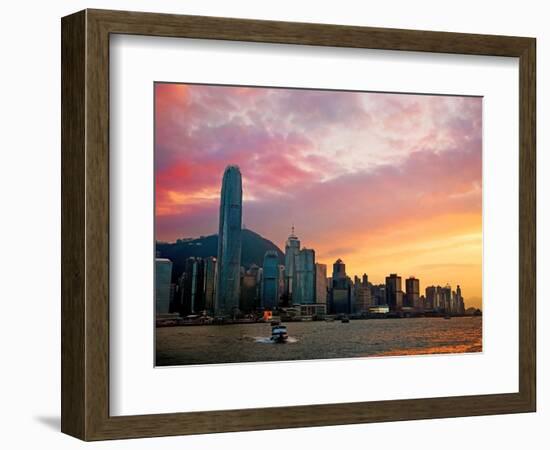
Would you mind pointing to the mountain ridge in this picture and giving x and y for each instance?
(254, 246)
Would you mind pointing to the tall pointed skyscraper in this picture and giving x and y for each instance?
(229, 244)
(292, 248)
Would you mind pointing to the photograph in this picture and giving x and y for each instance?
(299, 223)
(204, 197)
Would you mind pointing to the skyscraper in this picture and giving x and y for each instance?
(339, 277)
(433, 297)
(394, 294)
(270, 291)
(281, 284)
(378, 293)
(229, 244)
(292, 249)
(249, 290)
(321, 283)
(340, 292)
(363, 294)
(412, 292)
(460, 300)
(363, 299)
(446, 299)
(304, 289)
(163, 277)
(210, 265)
(192, 295)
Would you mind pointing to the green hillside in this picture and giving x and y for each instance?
(254, 247)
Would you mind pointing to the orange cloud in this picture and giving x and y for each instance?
(387, 182)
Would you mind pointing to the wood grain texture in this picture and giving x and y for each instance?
(73, 225)
(85, 224)
(97, 225)
(527, 224)
(151, 24)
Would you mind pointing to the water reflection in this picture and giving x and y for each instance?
(318, 340)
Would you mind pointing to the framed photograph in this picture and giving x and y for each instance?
(272, 225)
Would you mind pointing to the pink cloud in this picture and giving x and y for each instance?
(427, 158)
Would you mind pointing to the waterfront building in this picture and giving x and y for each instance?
(260, 281)
(339, 277)
(341, 300)
(197, 287)
(210, 267)
(321, 284)
(292, 248)
(193, 299)
(257, 272)
(185, 301)
(304, 291)
(173, 288)
(229, 244)
(445, 299)
(460, 300)
(363, 299)
(340, 290)
(329, 294)
(310, 310)
(379, 309)
(457, 302)
(433, 298)
(394, 293)
(176, 306)
(270, 283)
(249, 290)
(412, 293)
(422, 300)
(163, 278)
(429, 303)
(281, 283)
(378, 294)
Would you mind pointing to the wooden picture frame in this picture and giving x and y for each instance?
(85, 224)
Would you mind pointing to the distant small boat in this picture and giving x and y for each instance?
(279, 334)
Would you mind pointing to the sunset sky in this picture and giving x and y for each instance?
(386, 182)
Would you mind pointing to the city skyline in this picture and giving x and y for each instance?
(412, 207)
(300, 281)
(223, 286)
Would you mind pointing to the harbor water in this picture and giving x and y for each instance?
(217, 344)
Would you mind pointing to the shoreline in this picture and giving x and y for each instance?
(179, 322)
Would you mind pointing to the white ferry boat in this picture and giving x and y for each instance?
(279, 334)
